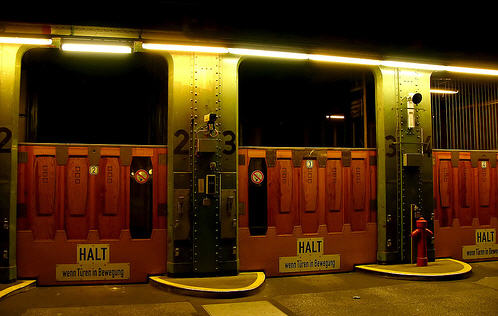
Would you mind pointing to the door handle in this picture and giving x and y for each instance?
(230, 200)
(179, 210)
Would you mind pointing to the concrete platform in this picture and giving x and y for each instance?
(15, 287)
(441, 269)
(242, 284)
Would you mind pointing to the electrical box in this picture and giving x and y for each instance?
(207, 145)
(413, 160)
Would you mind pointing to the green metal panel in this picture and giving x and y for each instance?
(385, 94)
(202, 164)
(404, 161)
(10, 64)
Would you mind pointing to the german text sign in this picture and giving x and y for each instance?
(485, 245)
(309, 257)
(93, 264)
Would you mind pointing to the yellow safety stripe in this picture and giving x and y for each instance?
(259, 280)
(466, 268)
(16, 287)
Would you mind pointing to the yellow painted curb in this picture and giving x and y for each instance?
(259, 280)
(11, 289)
(375, 268)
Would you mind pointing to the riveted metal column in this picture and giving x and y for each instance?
(404, 137)
(180, 106)
(10, 61)
(202, 183)
(228, 262)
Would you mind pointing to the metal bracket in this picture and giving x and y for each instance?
(125, 156)
(455, 158)
(271, 158)
(297, 157)
(321, 158)
(476, 156)
(93, 155)
(346, 158)
(61, 155)
(299, 154)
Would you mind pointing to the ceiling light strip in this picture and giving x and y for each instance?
(266, 53)
(250, 52)
(316, 57)
(345, 60)
(186, 48)
(24, 40)
(440, 91)
(93, 48)
(335, 117)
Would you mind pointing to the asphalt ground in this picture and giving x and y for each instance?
(352, 293)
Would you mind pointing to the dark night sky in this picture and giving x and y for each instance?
(448, 31)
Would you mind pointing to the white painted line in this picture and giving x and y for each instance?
(244, 309)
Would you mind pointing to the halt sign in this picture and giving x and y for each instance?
(92, 265)
(309, 257)
(485, 245)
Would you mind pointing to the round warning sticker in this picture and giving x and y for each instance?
(141, 176)
(257, 177)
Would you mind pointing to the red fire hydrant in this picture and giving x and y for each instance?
(420, 234)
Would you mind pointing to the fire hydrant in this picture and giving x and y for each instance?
(420, 235)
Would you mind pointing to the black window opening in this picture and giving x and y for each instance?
(286, 103)
(69, 97)
(464, 112)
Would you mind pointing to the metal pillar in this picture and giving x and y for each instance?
(10, 61)
(202, 165)
(404, 138)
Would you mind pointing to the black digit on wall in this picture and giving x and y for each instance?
(5, 140)
(230, 142)
(179, 150)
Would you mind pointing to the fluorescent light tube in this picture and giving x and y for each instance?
(439, 91)
(23, 40)
(94, 48)
(186, 48)
(266, 53)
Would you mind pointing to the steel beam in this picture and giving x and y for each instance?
(404, 159)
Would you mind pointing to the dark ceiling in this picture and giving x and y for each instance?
(450, 32)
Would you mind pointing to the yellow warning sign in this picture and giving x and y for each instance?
(485, 247)
(309, 257)
(92, 265)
